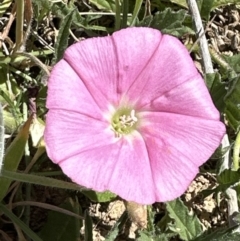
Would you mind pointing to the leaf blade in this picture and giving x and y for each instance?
(11, 160)
(186, 225)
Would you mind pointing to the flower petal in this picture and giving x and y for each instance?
(178, 127)
(66, 91)
(68, 133)
(150, 63)
(90, 154)
(95, 62)
(189, 98)
(177, 145)
(135, 48)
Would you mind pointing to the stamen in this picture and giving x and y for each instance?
(133, 116)
(124, 121)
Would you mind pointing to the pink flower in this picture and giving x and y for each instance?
(131, 114)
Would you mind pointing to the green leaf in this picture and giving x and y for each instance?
(117, 16)
(215, 4)
(220, 3)
(112, 235)
(107, 5)
(88, 236)
(186, 224)
(232, 105)
(63, 34)
(146, 236)
(229, 177)
(40, 180)
(99, 196)
(137, 7)
(206, 8)
(19, 223)
(41, 8)
(217, 90)
(3, 72)
(233, 62)
(182, 3)
(61, 227)
(125, 10)
(61, 10)
(10, 122)
(226, 234)
(13, 156)
(4, 6)
(169, 22)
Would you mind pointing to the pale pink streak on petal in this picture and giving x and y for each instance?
(122, 168)
(177, 145)
(94, 60)
(169, 66)
(69, 133)
(66, 91)
(189, 98)
(135, 48)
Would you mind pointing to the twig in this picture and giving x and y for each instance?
(207, 62)
(208, 68)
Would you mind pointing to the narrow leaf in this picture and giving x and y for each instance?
(136, 10)
(88, 235)
(13, 156)
(40, 180)
(117, 15)
(63, 34)
(4, 6)
(20, 223)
